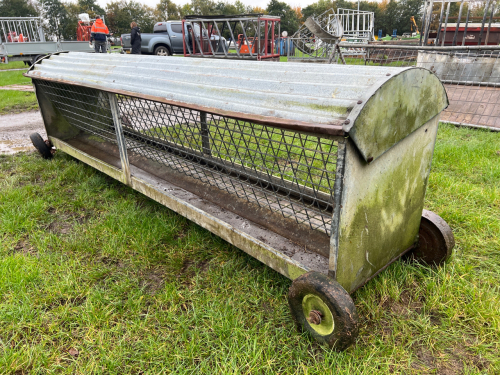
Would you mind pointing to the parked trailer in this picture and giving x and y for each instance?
(23, 39)
(318, 171)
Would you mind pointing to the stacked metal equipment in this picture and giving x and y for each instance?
(23, 39)
(318, 38)
(319, 171)
(251, 36)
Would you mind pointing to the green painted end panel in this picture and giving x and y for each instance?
(382, 205)
(397, 108)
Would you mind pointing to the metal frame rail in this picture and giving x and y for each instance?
(438, 37)
(252, 35)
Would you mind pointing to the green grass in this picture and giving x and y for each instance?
(12, 101)
(15, 101)
(14, 78)
(297, 158)
(13, 65)
(88, 265)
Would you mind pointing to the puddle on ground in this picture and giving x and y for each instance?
(11, 147)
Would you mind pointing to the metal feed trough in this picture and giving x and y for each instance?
(318, 171)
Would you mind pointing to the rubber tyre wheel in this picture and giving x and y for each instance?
(162, 51)
(315, 291)
(435, 240)
(41, 146)
(38, 57)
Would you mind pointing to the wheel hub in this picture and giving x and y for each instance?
(317, 314)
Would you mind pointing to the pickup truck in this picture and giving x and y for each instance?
(166, 39)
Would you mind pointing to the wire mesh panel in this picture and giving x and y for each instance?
(85, 108)
(284, 171)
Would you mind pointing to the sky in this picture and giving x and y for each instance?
(253, 3)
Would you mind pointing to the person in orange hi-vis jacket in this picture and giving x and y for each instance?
(98, 33)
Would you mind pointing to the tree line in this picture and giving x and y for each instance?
(61, 17)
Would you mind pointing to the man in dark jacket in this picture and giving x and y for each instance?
(135, 38)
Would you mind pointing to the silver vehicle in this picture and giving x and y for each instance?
(167, 39)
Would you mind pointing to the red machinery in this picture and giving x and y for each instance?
(12, 37)
(83, 31)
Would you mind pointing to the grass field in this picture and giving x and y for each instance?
(14, 78)
(12, 101)
(13, 65)
(97, 278)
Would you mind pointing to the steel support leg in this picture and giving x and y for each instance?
(120, 138)
(205, 134)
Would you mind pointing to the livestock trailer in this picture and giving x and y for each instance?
(318, 171)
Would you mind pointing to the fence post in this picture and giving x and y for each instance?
(120, 138)
(205, 135)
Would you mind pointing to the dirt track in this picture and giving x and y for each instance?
(15, 131)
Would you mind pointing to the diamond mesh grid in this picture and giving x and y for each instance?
(285, 171)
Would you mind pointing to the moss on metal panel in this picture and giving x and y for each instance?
(335, 110)
(382, 205)
(400, 106)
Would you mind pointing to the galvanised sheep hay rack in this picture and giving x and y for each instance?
(318, 171)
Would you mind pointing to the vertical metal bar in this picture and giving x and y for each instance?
(466, 25)
(436, 42)
(372, 25)
(353, 27)
(428, 28)
(484, 21)
(458, 23)
(205, 134)
(338, 188)
(258, 35)
(4, 33)
(198, 41)
(493, 9)
(41, 33)
(279, 36)
(220, 40)
(184, 37)
(201, 39)
(120, 138)
(272, 37)
(357, 26)
(209, 37)
(32, 30)
(422, 28)
(446, 23)
(235, 42)
(266, 35)
(246, 39)
(34, 26)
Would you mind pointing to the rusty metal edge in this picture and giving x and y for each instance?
(279, 262)
(334, 129)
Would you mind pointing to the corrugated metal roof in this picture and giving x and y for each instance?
(318, 94)
(377, 106)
